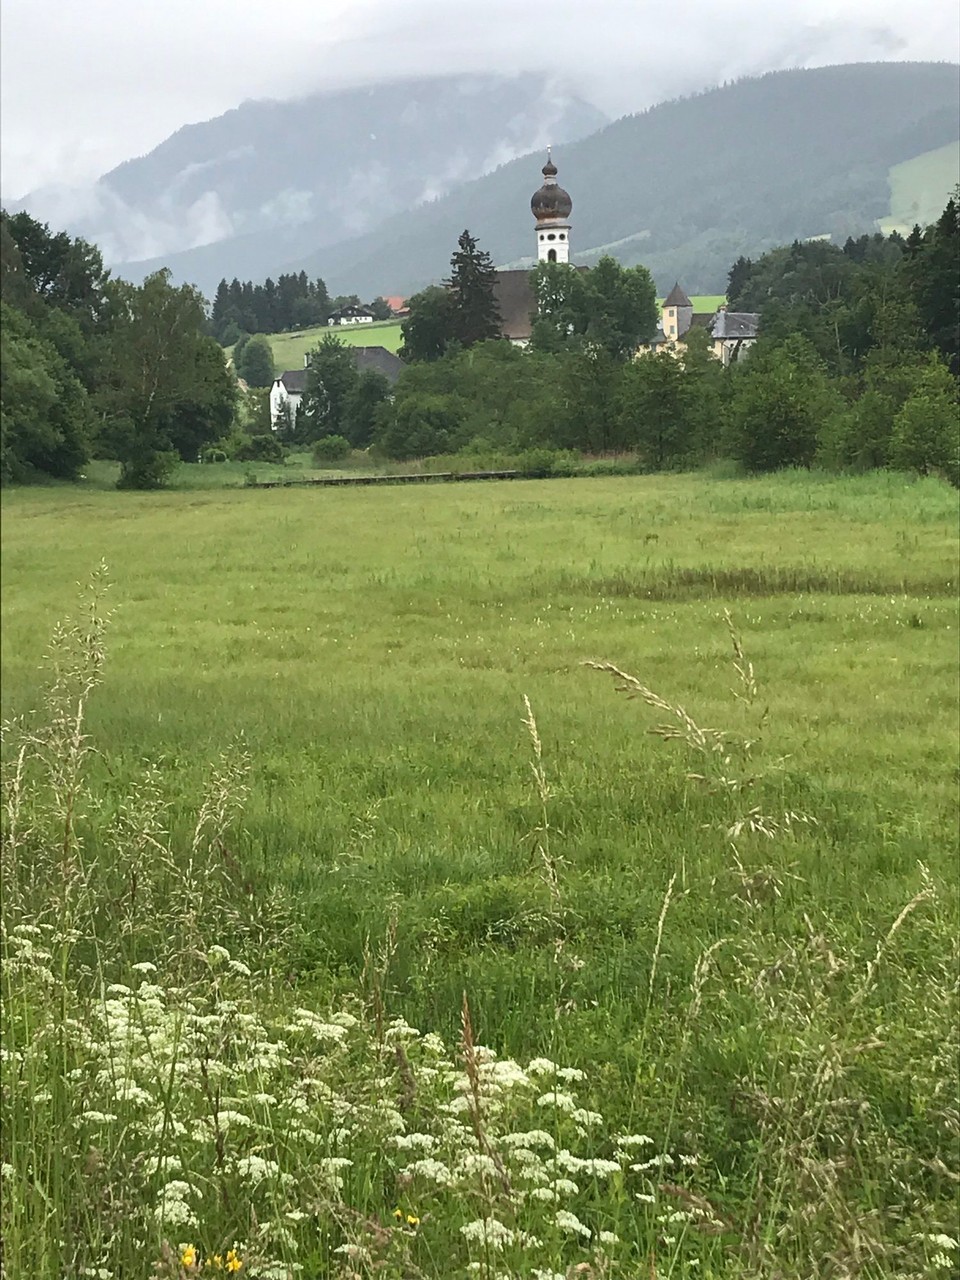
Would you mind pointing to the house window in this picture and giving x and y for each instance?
(552, 255)
(551, 236)
(561, 236)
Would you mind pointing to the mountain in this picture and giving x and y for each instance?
(685, 187)
(287, 178)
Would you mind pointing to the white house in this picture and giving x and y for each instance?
(288, 389)
(351, 315)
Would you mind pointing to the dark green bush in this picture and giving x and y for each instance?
(330, 449)
(261, 449)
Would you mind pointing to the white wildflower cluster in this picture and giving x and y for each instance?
(943, 1251)
(196, 1089)
(174, 1205)
(491, 1233)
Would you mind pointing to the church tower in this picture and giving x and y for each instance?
(551, 207)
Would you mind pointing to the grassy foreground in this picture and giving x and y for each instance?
(344, 806)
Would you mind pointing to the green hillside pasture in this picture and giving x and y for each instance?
(919, 188)
(290, 348)
(708, 301)
(726, 960)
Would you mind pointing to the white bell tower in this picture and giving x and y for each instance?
(551, 207)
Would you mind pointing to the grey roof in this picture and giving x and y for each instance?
(380, 360)
(377, 358)
(295, 381)
(677, 298)
(736, 324)
(350, 311)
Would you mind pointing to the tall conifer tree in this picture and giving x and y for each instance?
(473, 282)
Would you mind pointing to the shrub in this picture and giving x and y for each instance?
(214, 455)
(330, 449)
(546, 462)
(261, 449)
(151, 470)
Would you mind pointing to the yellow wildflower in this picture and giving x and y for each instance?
(234, 1261)
(412, 1220)
(398, 1214)
(188, 1256)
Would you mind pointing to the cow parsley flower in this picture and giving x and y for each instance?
(568, 1221)
(433, 1170)
(489, 1232)
(633, 1140)
(173, 1207)
(534, 1138)
(556, 1098)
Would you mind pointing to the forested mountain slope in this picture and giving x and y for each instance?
(285, 178)
(690, 185)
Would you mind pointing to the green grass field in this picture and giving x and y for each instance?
(768, 1042)
(919, 188)
(290, 348)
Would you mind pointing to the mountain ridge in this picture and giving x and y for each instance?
(336, 161)
(684, 187)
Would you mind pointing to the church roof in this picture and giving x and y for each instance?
(516, 302)
(551, 202)
(677, 298)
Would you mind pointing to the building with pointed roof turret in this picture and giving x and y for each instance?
(677, 313)
(732, 333)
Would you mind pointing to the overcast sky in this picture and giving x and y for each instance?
(86, 85)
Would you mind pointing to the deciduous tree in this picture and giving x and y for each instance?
(331, 378)
(428, 330)
(256, 362)
(156, 336)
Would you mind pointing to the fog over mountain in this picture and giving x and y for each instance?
(339, 162)
(684, 188)
(84, 87)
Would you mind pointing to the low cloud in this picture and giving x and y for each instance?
(124, 82)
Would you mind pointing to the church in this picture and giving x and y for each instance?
(551, 207)
(731, 333)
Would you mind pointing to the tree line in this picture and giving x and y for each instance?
(94, 367)
(856, 366)
(289, 302)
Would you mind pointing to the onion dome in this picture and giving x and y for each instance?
(551, 203)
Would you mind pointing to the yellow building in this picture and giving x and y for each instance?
(732, 333)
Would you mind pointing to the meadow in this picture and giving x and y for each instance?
(920, 187)
(290, 348)
(357, 927)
